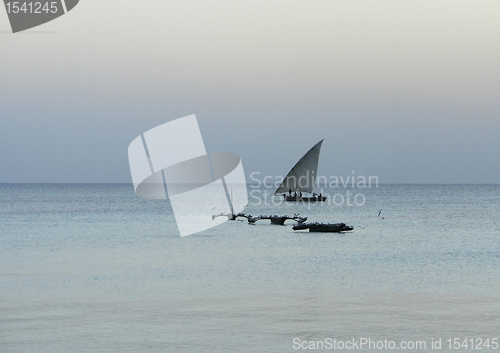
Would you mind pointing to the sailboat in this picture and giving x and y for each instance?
(301, 178)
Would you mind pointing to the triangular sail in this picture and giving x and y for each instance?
(302, 176)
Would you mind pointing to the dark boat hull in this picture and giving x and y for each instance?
(324, 227)
(305, 198)
(280, 220)
(330, 229)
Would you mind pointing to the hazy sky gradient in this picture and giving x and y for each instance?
(407, 91)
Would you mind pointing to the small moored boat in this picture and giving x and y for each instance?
(324, 227)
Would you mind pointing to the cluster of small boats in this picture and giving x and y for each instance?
(300, 225)
(275, 219)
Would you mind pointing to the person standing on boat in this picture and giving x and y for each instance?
(290, 192)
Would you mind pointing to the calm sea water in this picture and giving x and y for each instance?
(94, 268)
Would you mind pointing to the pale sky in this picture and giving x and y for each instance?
(406, 91)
